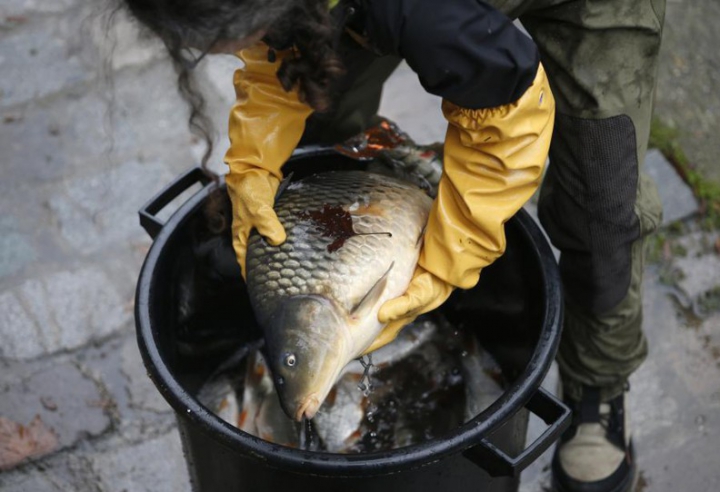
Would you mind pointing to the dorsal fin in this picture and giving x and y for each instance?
(372, 296)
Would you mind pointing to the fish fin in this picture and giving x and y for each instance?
(418, 243)
(283, 185)
(371, 298)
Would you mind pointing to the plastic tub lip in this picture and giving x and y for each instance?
(321, 463)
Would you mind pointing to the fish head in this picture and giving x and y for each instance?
(308, 342)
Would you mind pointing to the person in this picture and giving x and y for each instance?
(313, 72)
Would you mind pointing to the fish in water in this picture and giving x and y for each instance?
(428, 381)
(353, 240)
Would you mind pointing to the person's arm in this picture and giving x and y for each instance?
(266, 124)
(493, 163)
(500, 111)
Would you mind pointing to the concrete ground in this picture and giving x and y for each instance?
(91, 127)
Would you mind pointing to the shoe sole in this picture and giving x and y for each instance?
(628, 485)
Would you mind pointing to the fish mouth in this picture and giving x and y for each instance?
(308, 407)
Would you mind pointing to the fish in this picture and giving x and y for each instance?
(242, 394)
(220, 397)
(353, 240)
(261, 414)
(483, 379)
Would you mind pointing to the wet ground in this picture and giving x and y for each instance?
(83, 144)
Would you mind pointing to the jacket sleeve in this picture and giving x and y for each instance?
(464, 51)
(493, 163)
(266, 122)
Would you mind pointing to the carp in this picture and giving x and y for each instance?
(353, 240)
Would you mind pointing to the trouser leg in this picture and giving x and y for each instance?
(596, 204)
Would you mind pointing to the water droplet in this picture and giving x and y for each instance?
(280, 381)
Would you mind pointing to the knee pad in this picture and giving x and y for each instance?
(587, 207)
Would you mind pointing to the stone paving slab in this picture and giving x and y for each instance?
(99, 211)
(16, 250)
(35, 482)
(32, 7)
(58, 394)
(142, 393)
(18, 331)
(62, 472)
(95, 128)
(62, 311)
(42, 55)
(699, 277)
(153, 465)
(688, 77)
(676, 196)
(156, 465)
(137, 408)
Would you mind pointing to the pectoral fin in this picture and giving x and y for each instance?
(418, 241)
(389, 333)
(371, 298)
(283, 185)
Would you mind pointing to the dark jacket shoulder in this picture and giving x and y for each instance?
(465, 51)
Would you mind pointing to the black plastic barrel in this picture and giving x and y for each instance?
(515, 311)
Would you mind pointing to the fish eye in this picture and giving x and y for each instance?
(290, 360)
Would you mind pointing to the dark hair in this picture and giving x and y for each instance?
(200, 23)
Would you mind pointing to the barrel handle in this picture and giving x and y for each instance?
(148, 218)
(498, 463)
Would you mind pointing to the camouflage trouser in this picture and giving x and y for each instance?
(595, 204)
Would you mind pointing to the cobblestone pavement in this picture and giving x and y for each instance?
(90, 128)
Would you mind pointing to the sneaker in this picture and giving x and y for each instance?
(596, 453)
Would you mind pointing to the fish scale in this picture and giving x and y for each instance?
(303, 265)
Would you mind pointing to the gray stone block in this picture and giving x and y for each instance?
(677, 198)
(156, 465)
(688, 77)
(65, 471)
(70, 309)
(98, 212)
(699, 274)
(142, 392)
(27, 482)
(65, 400)
(19, 333)
(42, 57)
(95, 131)
(139, 411)
(16, 249)
(22, 8)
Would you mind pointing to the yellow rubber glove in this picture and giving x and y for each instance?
(493, 163)
(425, 293)
(266, 124)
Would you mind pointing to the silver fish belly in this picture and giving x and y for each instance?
(353, 240)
